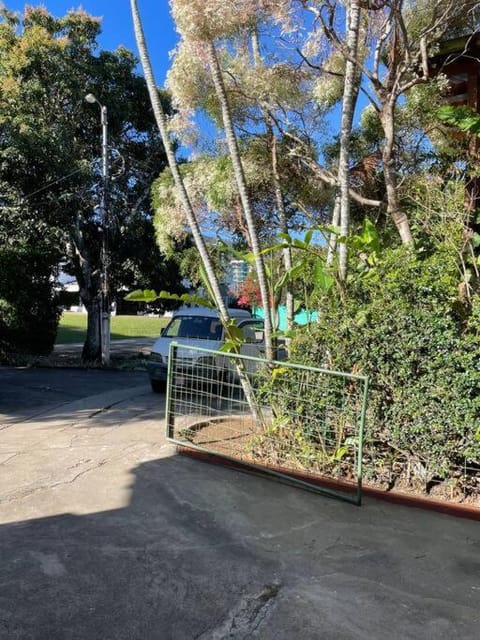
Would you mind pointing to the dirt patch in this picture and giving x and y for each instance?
(238, 437)
(228, 437)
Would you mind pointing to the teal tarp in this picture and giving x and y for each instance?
(302, 317)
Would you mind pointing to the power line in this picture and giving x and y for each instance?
(47, 186)
(51, 184)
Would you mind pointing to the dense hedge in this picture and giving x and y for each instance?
(29, 312)
(405, 328)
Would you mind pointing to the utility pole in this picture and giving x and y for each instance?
(104, 296)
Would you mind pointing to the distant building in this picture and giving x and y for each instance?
(237, 272)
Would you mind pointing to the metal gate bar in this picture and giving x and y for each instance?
(301, 424)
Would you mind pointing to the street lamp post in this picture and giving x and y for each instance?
(105, 303)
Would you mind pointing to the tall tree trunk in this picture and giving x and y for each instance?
(399, 217)
(185, 200)
(350, 93)
(282, 215)
(279, 199)
(89, 285)
(219, 85)
(332, 240)
(92, 348)
(173, 164)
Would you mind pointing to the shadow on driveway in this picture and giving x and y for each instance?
(202, 552)
(26, 392)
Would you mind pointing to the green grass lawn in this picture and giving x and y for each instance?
(73, 327)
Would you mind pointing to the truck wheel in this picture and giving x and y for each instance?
(158, 386)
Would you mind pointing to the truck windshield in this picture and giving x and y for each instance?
(194, 327)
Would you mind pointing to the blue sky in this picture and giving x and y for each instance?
(117, 25)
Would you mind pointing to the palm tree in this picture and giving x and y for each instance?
(239, 173)
(350, 94)
(173, 164)
(185, 200)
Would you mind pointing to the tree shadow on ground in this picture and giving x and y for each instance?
(205, 552)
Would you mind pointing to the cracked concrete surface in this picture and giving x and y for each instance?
(245, 618)
(106, 534)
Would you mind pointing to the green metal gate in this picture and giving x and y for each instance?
(302, 424)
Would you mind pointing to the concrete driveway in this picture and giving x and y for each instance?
(27, 392)
(106, 534)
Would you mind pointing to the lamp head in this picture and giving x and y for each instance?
(90, 98)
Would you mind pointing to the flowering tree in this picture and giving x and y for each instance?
(249, 293)
(264, 72)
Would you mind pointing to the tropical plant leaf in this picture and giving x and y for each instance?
(297, 304)
(145, 295)
(322, 278)
(461, 116)
(308, 237)
(274, 247)
(278, 371)
(149, 295)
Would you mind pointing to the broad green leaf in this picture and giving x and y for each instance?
(323, 280)
(297, 304)
(333, 229)
(289, 275)
(149, 295)
(297, 269)
(274, 247)
(228, 347)
(300, 244)
(462, 117)
(339, 453)
(187, 298)
(289, 335)
(146, 295)
(308, 236)
(278, 371)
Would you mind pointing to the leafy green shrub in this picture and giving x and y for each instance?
(315, 420)
(28, 308)
(403, 326)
